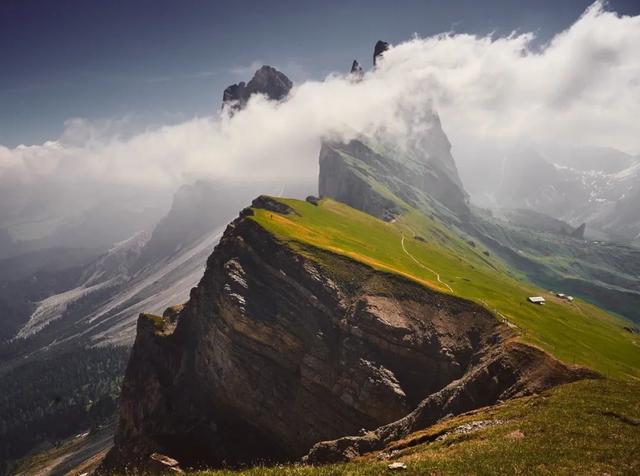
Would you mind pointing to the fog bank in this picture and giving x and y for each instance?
(582, 87)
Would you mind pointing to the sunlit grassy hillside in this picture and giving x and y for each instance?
(420, 249)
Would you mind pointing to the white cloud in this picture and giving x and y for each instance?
(582, 87)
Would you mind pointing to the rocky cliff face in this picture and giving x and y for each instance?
(278, 350)
(356, 70)
(341, 179)
(508, 371)
(419, 169)
(267, 80)
(348, 172)
(378, 50)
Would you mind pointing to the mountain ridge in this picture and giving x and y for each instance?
(234, 303)
(356, 323)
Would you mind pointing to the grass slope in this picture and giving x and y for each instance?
(587, 428)
(575, 332)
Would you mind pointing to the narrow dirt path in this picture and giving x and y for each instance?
(423, 266)
(484, 303)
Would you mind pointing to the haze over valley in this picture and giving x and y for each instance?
(339, 263)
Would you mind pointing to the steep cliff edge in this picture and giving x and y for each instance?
(418, 169)
(375, 178)
(370, 176)
(281, 348)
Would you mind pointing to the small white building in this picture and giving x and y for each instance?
(536, 299)
(565, 297)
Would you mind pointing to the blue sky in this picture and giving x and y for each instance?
(159, 62)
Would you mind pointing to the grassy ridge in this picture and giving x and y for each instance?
(588, 427)
(574, 332)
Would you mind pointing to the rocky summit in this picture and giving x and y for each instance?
(267, 80)
(378, 50)
(356, 70)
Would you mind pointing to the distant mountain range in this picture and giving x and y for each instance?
(596, 186)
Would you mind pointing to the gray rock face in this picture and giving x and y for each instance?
(378, 50)
(346, 171)
(267, 80)
(341, 182)
(356, 70)
(275, 352)
(511, 371)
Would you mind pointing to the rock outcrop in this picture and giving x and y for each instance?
(425, 182)
(378, 50)
(278, 350)
(345, 183)
(509, 371)
(356, 70)
(267, 80)
(419, 169)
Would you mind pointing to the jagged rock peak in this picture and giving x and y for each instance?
(381, 47)
(356, 70)
(267, 80)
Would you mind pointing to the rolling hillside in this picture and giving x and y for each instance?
(383, 182)
(421, 249)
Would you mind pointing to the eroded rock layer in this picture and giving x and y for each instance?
(280, 348)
